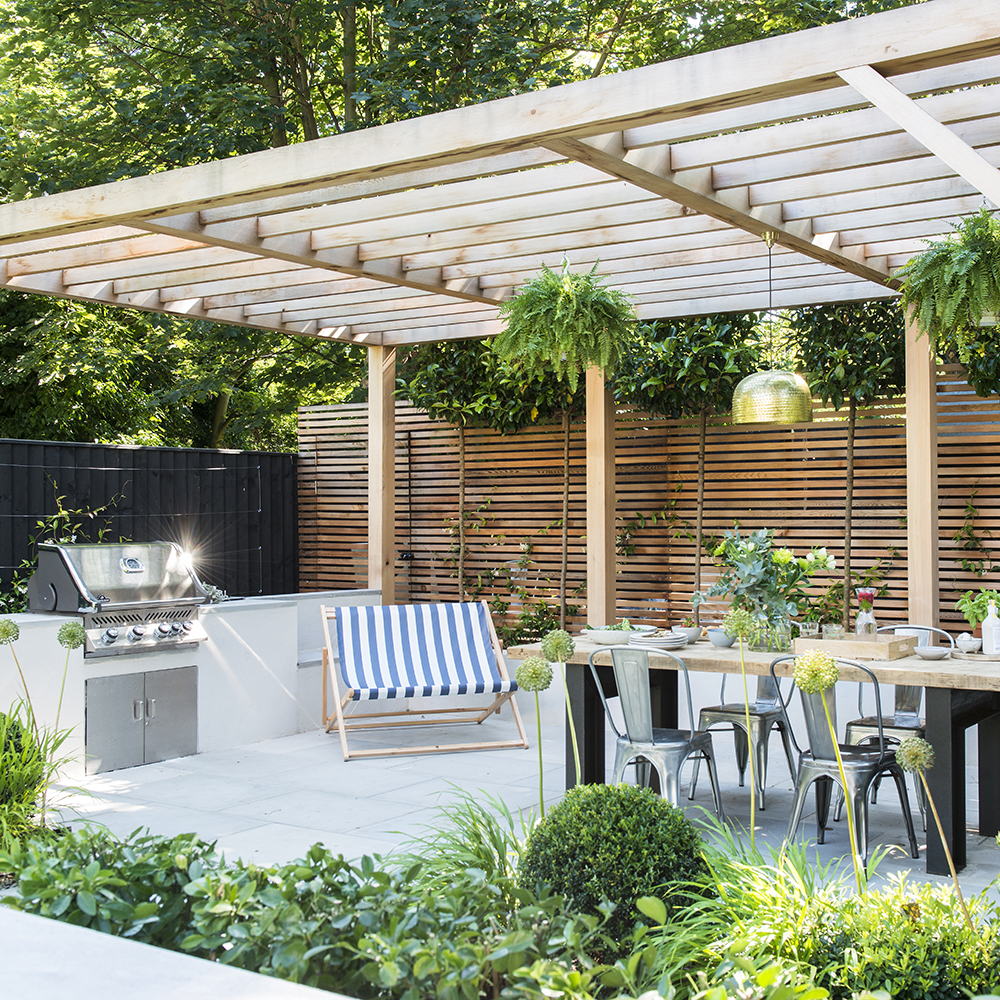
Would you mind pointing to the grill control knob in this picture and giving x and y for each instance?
(187, 626)
(135, 633)
(175, 628)
(110, 635)
(162, 630)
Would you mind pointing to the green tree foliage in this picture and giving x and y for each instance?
(689, 367)
(78, 372)
(854, 354)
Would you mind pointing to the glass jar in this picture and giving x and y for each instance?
(865, 623)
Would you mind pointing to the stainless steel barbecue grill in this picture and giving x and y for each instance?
(134, 597)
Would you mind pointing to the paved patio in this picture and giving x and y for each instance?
(268, 802)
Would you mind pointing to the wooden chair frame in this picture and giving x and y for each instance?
(344, 723)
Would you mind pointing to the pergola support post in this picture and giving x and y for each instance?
(382, 471)
(921, 478)
(600, 501)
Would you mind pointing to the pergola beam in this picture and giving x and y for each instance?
(765, 70)
(651, 169)
(928, 131)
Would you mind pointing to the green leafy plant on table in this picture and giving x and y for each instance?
(974, 606)
(770, 583)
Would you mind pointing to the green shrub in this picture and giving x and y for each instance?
(360, 929)
(22, 777)
(615, 843)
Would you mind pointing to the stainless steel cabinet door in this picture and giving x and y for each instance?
(115, 722)
(171, 713)
(141, 718)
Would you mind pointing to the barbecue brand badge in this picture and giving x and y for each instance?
(131, 564)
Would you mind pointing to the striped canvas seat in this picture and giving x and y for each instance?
(418, 651)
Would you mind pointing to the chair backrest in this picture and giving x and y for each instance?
(907, 697)
(821, 741)
(768, 692)
(417, 650)
(631, 667)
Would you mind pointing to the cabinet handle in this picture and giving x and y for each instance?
(150, 708)
(137, 710)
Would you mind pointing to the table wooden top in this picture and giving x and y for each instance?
(969, 675)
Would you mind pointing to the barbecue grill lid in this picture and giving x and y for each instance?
(95, 576)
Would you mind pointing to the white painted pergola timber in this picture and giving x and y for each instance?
(853, 143)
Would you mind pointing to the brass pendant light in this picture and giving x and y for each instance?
(772, 397)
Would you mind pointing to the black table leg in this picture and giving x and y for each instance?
(946, 780)
(949, 714)
(588, 717)
(989, 776)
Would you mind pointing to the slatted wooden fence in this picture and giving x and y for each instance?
(788, 478)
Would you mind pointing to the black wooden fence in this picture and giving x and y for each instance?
(235, 511)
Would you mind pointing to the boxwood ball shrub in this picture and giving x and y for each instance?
(615, 843)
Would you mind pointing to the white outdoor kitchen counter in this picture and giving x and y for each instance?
(258, 672)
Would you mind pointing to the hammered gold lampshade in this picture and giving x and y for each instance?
(772, 398)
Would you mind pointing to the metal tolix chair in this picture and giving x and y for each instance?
(905, 720)
(765, 714)
(863, 766)
(664, 749)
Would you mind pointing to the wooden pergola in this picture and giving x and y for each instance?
(852, 143)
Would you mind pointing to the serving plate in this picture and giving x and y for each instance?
(616, 636)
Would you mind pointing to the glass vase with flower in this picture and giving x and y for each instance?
(865, 623)
(771, 583)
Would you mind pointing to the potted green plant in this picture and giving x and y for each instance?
(974, 606)
(770, 583)
(955, 283)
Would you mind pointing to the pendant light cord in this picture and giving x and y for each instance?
(770, 237)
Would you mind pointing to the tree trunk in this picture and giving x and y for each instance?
(563, 569)
(700, 516)
(461, 512)
(219, 418)
(279, 134)
(852, 415)
(350, 18)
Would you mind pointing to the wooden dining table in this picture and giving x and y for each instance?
(958, 694)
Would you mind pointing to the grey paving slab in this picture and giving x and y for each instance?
(46, 959)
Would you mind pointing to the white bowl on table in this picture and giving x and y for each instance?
(692, 632)
(932, 652)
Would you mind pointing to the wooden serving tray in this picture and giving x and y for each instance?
(883, 647)
(957, 654)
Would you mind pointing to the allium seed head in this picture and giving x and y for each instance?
(915, 754)
(558, 646)
(741, 623)
(72, 635)
(8, 630)
(534, 674)
(815, 671)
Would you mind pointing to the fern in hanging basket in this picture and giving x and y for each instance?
(565, 323)
(955, 282)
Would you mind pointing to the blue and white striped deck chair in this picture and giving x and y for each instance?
(404, 651)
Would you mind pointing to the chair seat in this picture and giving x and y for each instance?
(665, 737)
(738, 709)
(890, 726)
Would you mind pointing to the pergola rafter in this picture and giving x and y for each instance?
(853, 142)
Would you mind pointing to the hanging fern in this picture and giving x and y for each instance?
(954, 282)
(565, 323)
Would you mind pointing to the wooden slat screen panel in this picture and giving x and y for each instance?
(787, 478)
